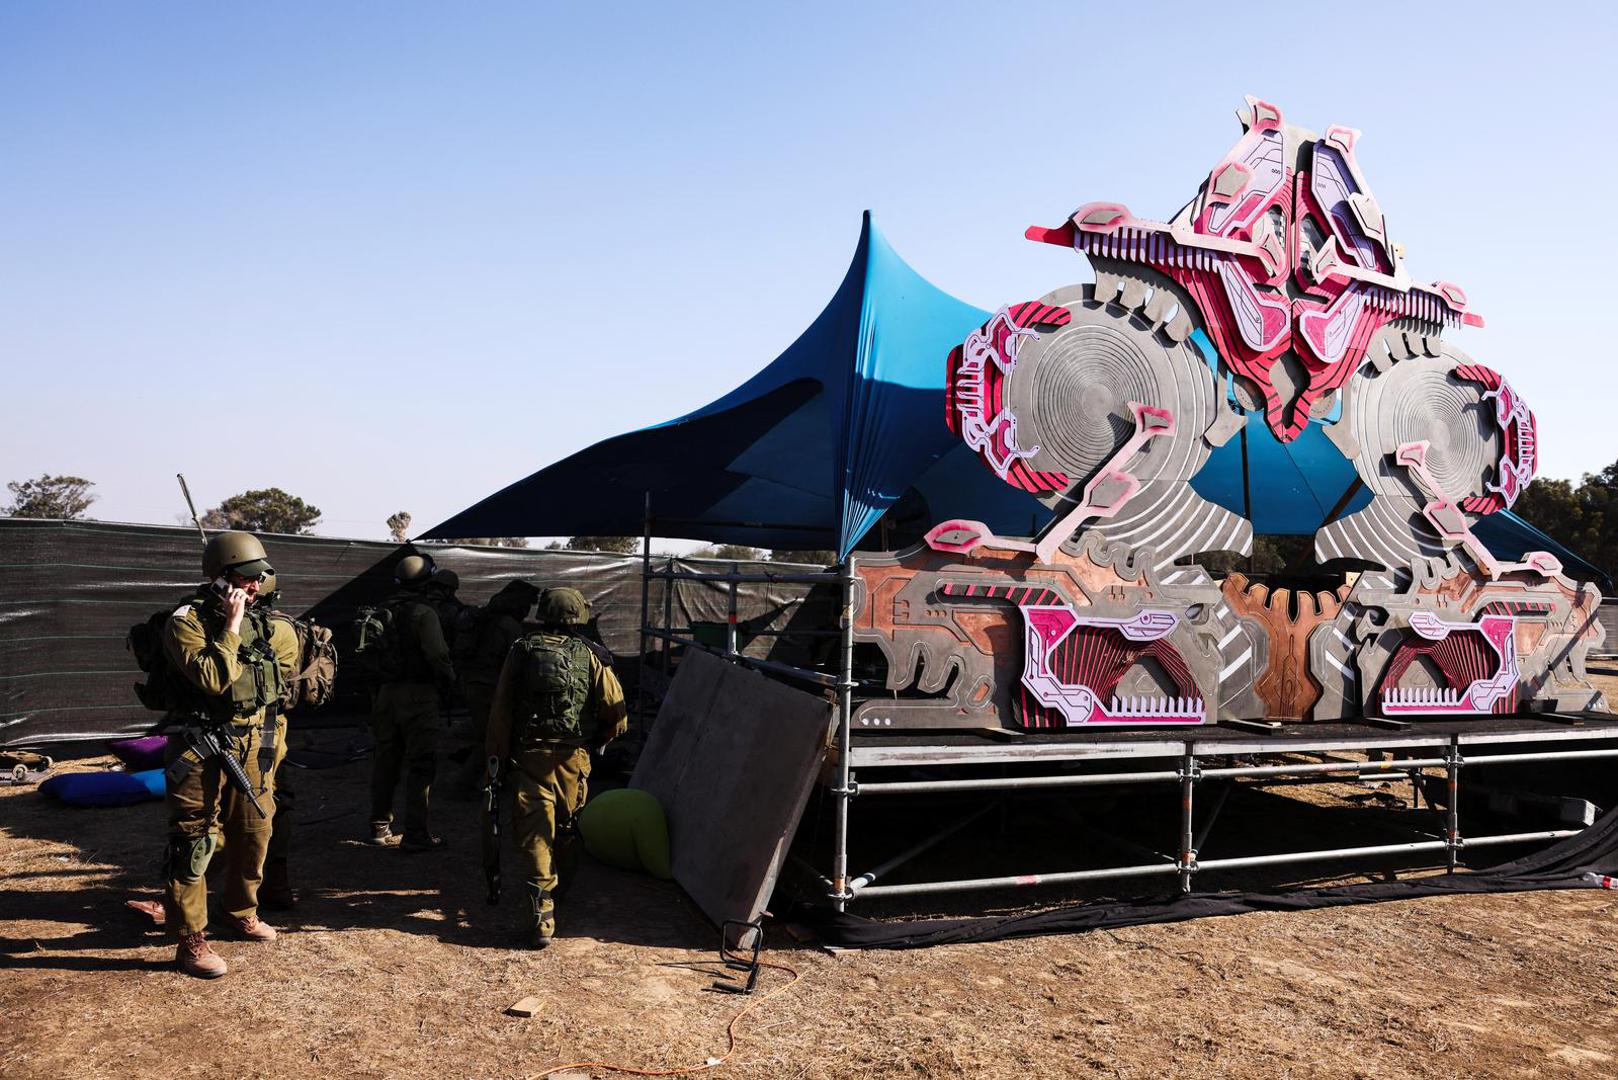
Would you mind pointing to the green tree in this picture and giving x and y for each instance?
(399, 526)
(617, 545)
(64, 497)
(817, 557)
(266, 510)
(1557, 508)
(495, 541)
(1272, 554)
(1598, 498)
(732, 552)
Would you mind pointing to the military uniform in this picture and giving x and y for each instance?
(405, 718)
(557, 699)
(498, 624)
(231, 680)
(277, 888)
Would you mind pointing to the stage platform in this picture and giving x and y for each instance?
(1198, 768)
(871, 749)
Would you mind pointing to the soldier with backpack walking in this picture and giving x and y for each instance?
(220, 679)
(557, 699)
(415, 673)
(479, 652)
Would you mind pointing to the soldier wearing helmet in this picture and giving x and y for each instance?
(557, 699)
(479, 654)
(405, 712)
(230, 677)
(276, 891)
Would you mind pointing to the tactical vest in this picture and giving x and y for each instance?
(553, 688)
(256, 688)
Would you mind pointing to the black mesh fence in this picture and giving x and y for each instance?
(70, 591)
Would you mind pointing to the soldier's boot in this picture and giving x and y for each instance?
(276, 891)
(565, 858)
(382, 834)
(542, 924)
(196, 957)
(252, 928)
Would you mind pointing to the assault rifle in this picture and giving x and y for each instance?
(211, 743)
(491, 832)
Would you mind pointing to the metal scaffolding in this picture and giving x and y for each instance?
(1183, 761)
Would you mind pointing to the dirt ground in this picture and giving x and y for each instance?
(393, 965)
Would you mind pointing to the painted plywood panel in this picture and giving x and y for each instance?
(732, 757)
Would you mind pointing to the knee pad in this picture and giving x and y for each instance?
(189, 856)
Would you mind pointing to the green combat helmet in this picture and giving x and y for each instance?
(414, 570)
(446, 580)
(238, 551)
(563, 607)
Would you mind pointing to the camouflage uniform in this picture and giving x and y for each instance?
(405, 717)
(498, 625)
(549, 776)
(229, 673)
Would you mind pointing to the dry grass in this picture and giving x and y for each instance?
(393, 966)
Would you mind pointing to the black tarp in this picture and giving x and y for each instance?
(70, 590)
(1561, 866)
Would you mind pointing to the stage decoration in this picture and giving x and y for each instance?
(1277, 296)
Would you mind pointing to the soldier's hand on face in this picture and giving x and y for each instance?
(236, 601)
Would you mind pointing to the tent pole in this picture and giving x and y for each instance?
(730, 614)
(845, 773)
(645, 612)
(668, 619)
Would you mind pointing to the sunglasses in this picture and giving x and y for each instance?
(260, 577)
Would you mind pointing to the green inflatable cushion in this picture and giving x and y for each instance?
(626, 828)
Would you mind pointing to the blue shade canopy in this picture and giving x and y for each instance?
(816, 447)
(808, 453)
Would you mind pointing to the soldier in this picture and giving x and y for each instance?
(416, 675)
(439, 594)
(229, 680)
(276, 892)
(478, 660)
(557, 699)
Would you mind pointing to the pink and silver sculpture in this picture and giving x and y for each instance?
(1097, 400)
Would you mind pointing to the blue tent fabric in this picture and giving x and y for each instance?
(816, 447)
(808, 453)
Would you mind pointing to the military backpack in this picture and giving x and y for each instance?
(552, 690)
(378, 652)
(316, 678)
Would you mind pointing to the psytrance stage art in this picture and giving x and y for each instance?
(1277, 297)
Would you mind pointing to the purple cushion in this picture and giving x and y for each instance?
(140, 754)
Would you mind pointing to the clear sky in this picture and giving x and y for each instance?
(396, 255)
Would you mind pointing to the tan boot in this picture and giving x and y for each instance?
(196, 957)
(251, 928)
(382, 834)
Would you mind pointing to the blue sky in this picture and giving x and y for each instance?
(419, 250)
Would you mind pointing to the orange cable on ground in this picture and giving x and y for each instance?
(711, 1063)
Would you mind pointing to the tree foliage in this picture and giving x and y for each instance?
(399, 526)
(732, 552)
(817, 557)
(266, 510)
(64, 497)
(1272, 554)
(1582, 517)
(617, 545)
(495, 541)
